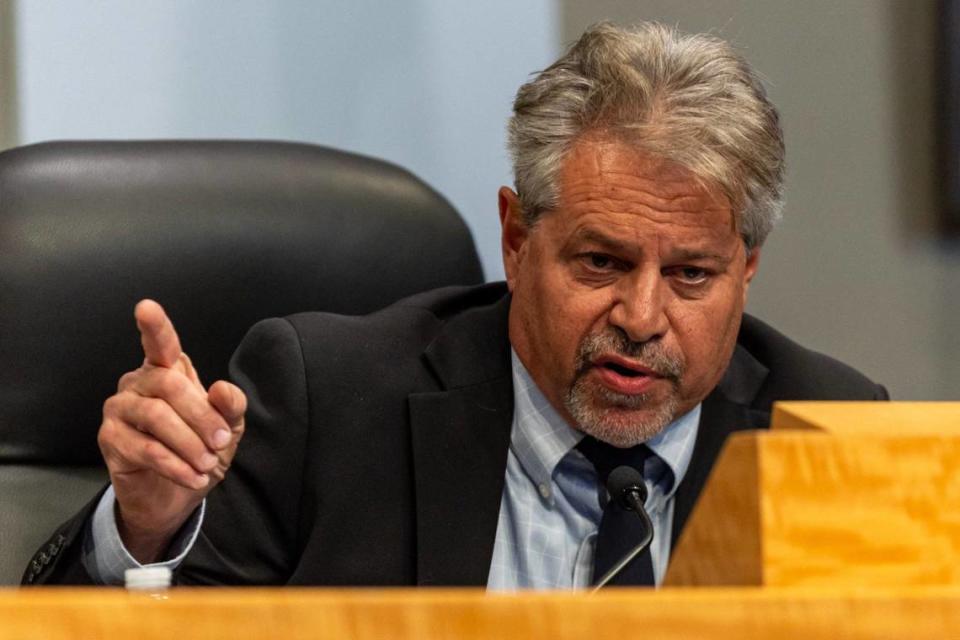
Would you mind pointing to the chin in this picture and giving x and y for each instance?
(620, 420)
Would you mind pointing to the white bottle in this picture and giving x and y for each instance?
(153, 581)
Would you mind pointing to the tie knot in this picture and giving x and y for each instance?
(606, 457)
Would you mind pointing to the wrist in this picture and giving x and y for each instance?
(146, 543)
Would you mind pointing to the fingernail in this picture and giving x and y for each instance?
(208, 461)
(221, 438)
(202, 480)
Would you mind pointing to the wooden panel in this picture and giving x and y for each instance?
(832, 511)
(725, 526)
(860, 510)
(870, 418)
(292, 614)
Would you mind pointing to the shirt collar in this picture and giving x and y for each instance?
(674, 445)
(540, 437)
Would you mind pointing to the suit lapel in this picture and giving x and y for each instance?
(726, 410)
(460, 439)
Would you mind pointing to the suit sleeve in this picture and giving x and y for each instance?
(60, 559)
(251, 530)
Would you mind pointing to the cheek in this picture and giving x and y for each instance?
(552, 322)
(560, 318)
(709, 335)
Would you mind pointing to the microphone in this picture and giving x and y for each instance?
(627, 490)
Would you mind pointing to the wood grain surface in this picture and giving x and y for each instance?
(790, 508)
(870, 418)
(721, 544)
(291, 614)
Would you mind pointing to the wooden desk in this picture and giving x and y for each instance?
(290, 614)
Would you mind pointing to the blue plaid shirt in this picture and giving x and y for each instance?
(551, 506)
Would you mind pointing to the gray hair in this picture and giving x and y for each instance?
(688, 99)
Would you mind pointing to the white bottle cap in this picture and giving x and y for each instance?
(148, 578)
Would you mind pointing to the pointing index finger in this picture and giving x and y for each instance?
(161, 345)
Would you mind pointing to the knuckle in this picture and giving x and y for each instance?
(170, 383)
(111, 406)
(153, 412)
(155, 452)
(106, 435)
(127, 380)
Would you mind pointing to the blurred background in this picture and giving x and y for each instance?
(857, 269)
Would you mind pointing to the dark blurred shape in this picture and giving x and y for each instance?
(948, 103)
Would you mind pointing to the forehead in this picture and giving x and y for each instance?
(612, 180)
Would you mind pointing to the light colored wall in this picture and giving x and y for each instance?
(425, 83)
(853, 270)
(8, 76)
(428, 84)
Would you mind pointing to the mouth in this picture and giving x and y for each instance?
(624, 367)
(625, 376)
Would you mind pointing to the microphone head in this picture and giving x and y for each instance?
(624, 481)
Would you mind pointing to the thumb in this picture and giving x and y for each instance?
(230, 401)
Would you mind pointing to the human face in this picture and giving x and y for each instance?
(627, 297)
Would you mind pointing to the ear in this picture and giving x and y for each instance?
(513, 233)
(753, 263)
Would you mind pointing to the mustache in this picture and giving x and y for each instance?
(651, 354)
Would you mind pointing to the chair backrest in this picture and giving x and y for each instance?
(222, 233)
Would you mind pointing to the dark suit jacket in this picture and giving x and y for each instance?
(376, 446)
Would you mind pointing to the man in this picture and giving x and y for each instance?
(463, 436)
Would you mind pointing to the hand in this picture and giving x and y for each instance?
(166, 440)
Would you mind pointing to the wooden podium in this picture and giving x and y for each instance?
(292, 614)
(835, 494)
(842, 521)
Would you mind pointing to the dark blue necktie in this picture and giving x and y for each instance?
(620, 530)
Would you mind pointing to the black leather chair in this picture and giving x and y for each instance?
(222, 233)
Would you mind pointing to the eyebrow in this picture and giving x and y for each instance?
(692, 255)
(592, 235)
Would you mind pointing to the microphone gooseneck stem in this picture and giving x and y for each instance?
(637, 504)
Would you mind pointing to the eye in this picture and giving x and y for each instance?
(691, 275)
(600, 261)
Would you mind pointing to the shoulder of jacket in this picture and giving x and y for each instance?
(796, 372)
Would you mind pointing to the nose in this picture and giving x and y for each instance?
(639, 308)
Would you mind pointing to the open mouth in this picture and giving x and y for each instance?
(624, 367)
(624, 371)
(623, 378)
